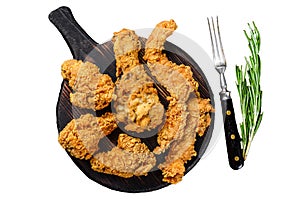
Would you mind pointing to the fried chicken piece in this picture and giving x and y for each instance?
(175, 123)
(81, 136)
(126, 48)
(182, 149)
(130, 158)
(205, 108)
(69, 70)
(155, 42)
(173, 80)
(144, 107)
(136, 101)
(179, 81)
(91, 89)
(154, 54)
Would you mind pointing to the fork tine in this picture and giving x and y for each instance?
(216, 42)
(220, 41)
(211, 39)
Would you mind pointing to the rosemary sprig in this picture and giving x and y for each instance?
(248, 85)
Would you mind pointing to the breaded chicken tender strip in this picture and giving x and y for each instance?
(187, 112)
(130, 158)
(182, 150)
(126, 48)
(81, 136)
(91, 89)
(155, 45)
(205, 109)
(155, 42)
(176, 79)
(174, 124)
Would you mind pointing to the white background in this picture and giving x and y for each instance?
(34, 166)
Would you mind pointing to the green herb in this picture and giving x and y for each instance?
(248, 85)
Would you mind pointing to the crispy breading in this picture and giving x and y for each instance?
(154, 54)
(81, 136)
(173, 172)
(137, 105)
(185, 117)
(144, 108)
(126, 48)
(136, 101)
(69, 70)
(130, 158)
(205, 109)
(174, 123)
(156, 40)
(173, 80)
(177, 79)
(182, 149)
(91, 89)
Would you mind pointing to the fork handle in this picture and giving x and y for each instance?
(233, 139)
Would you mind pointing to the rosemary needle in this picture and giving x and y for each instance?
(248, 85)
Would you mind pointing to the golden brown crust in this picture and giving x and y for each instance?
(81, 136)
(192, 115)
(182, 149)
(130, 158)
(137, 104)
(174, 123)
(69, 70)
(204, 120)
(91, 89)
(126, 48)
(136, 101)
(155, 42)
(173, 172)
(142, 104)
(154, 54)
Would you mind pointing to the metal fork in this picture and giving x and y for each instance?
(233, 139)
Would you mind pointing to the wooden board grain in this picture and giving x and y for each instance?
(83, 47)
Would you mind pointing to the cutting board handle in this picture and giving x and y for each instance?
(79, 42)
